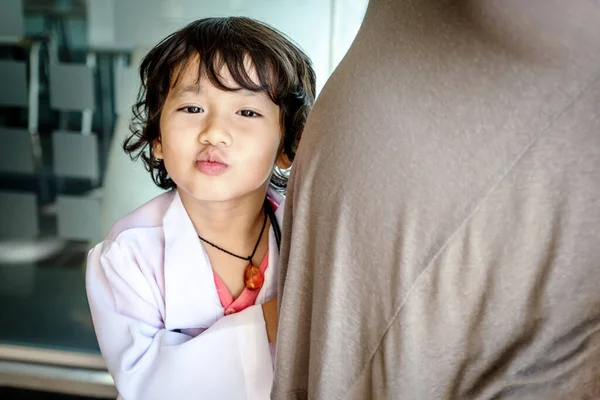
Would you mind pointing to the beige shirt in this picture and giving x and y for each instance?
(442, 226)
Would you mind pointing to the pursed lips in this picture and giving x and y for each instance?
(211, 163)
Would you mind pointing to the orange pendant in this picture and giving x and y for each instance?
(252, 277)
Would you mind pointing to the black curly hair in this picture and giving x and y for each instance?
(284, 72)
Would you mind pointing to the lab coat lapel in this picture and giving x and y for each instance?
(191, 299)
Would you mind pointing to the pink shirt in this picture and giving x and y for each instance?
(246, 299)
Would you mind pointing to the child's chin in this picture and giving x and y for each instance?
(228, 191)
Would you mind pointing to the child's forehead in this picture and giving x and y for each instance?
(189, 71)
(193, 77)
(192, 81)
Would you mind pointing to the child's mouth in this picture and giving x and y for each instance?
(212, 168)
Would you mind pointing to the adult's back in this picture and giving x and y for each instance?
(442, 231)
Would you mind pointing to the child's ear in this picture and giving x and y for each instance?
(283, 162)
(157, 148)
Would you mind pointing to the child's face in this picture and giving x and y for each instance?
(218, 145)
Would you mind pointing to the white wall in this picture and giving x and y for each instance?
(347, 15)
(145, 22)
(324, 29)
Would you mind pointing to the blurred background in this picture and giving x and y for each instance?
(68, 79)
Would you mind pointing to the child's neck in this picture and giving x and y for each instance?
(234, 223)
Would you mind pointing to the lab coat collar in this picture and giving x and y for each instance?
(191, 298)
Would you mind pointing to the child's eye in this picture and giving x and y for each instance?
(192, 110)
(248, 113)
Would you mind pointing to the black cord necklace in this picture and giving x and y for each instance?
(252, 276)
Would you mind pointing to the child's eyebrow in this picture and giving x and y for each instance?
(180, 90)
(250, 93)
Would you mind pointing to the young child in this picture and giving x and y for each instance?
(182, 290)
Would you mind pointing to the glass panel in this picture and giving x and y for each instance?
(13, 80)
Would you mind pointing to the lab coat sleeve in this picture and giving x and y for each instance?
(229, 360)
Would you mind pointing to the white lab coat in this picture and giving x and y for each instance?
(150, 277)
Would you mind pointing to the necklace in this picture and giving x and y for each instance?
(252, 277)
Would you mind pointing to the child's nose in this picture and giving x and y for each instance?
(215, 133)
